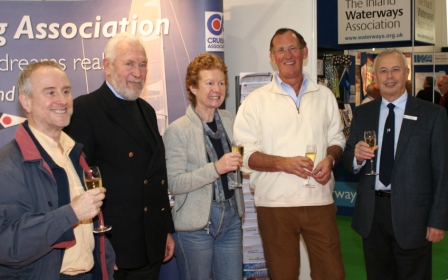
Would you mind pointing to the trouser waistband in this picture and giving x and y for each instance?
(81, 276)
(384, 194)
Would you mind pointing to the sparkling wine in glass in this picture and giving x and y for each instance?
(370, 138)
(92, 179)
(310, 153)
(237, 148)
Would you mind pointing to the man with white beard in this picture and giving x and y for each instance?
(120, 136)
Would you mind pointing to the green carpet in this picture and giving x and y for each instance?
(351, 246)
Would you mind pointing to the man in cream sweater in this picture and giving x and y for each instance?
(275, 124)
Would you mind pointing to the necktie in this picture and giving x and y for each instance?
(387, 148)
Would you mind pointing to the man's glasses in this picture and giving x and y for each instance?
(441, 85)
(395, 71)
(292, 50)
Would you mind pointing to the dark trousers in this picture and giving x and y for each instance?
(147, 272)
(384, 259)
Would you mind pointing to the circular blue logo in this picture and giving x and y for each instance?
(214, 24)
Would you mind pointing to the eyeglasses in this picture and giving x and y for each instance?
(441, 85)
(394, 71)
(292, 50)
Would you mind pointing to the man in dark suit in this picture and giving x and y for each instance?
(403, 210)
(120, 135)
(428, 93)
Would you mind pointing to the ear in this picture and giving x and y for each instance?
(305, 52)
(271, 55)
(107, 66)
(193, 90)
(25, 102)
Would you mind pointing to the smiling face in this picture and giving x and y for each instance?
(391, 75)
(127, 73)
(50, 104)
(289, 62)
(210, 91)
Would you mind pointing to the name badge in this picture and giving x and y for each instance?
(414, 118)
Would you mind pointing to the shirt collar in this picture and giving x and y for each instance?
(114, 91)
(400, 103)
(285, 86)
(49, 145)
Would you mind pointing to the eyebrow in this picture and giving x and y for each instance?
(48, 88)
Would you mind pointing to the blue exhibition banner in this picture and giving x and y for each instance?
(344, 194)
(74, 34)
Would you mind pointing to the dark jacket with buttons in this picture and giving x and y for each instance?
(134, 174)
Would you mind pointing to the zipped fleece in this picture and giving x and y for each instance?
(269, 122)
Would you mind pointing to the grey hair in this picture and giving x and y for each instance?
(390, 51)
(110, 49)
(24, 85)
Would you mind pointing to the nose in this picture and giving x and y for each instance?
(288, 52)
(63, 98)
(388, 73)
(137, 72)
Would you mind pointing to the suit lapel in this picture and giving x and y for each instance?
(374, 115)
(152, 126)
(122, 117)
(412, 109)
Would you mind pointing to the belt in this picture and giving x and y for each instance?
(385, 194)
(80, 276)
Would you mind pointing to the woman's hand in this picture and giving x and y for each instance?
(229, 162)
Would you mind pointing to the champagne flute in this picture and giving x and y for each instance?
(237, 148)
(310, 153)
(92, 179)
(370, 138)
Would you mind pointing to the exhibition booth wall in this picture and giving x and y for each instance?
(74, 34)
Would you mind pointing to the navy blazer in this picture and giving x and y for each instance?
(419, 188)
(134, 174)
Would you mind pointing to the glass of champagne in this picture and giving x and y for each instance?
(310, 153)
(92, 179)
(370, 138)
(237, 148)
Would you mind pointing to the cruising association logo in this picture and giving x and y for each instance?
(214, 35)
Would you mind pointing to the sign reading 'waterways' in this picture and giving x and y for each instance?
(344, 193)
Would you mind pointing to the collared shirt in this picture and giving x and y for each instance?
(400, 106)
(291, 92)
(114, 91)
(78, 258)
